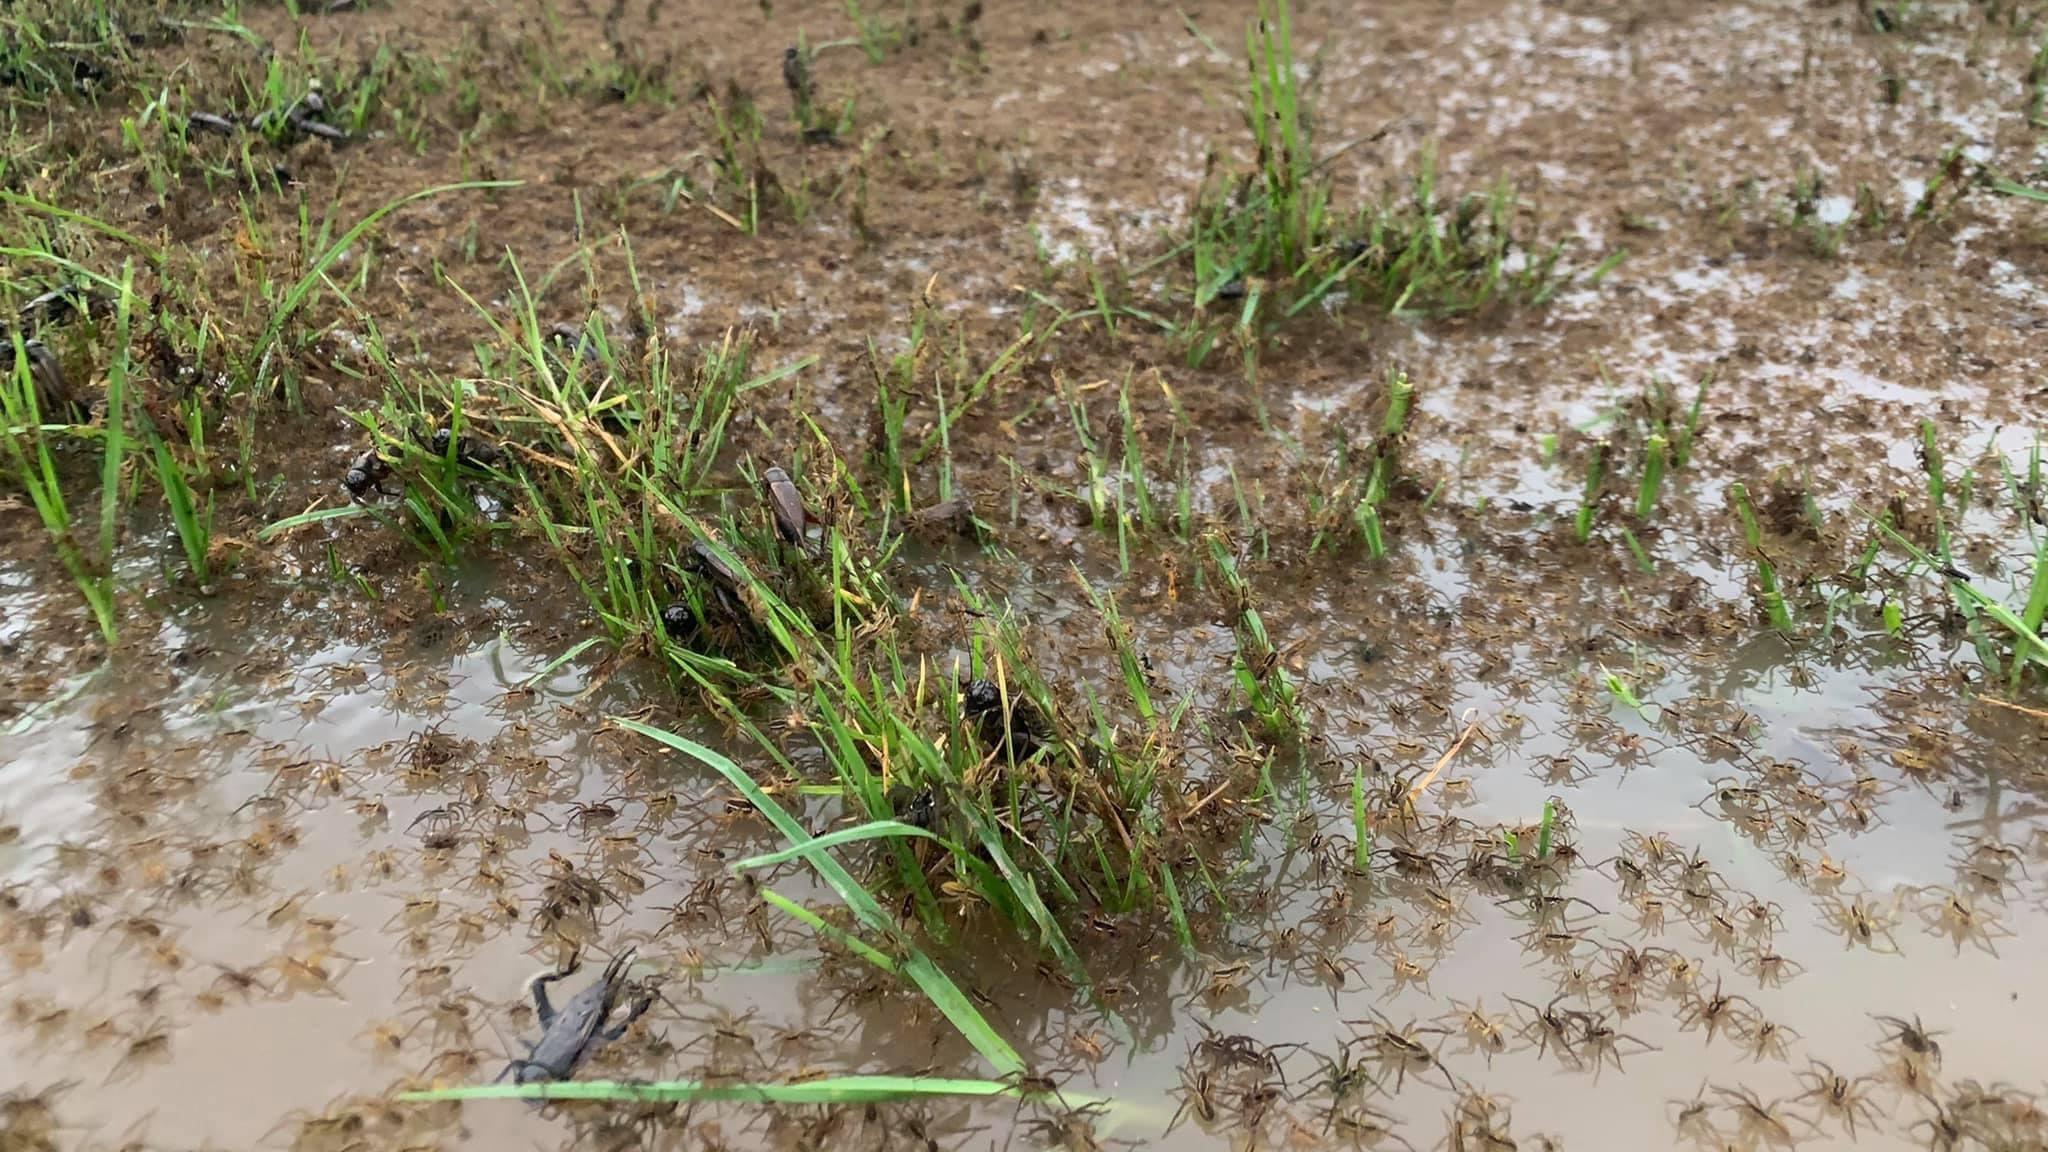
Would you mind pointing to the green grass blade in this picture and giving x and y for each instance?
(872, 830)
(933, 982)
(314, 517)
(555, 665)
(835, 1090)
(824, 927)
(184, 513)
(296, 297)
(115, 446)
(2021, 191)
(150, 251)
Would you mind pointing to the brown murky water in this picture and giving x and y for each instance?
(297, 848)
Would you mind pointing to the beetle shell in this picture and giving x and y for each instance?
(713, 567)
(787, 504)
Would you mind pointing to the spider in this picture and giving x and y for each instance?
(1399, 1047)
(1481, 1031)
(1861, 923)
(1714, 1011)
(1768, 1038)
(1758, 1120)
(1603, 1043)
(1914, 1040)
(1838, 1096)
(1550, 1026)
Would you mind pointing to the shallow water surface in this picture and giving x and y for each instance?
(1638, 869)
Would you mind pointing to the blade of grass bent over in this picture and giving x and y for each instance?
(872, 830)
(929, 978)
(835, 1090)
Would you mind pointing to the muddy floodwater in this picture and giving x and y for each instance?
(1615, 769)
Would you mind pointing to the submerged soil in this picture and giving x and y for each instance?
(298, 842)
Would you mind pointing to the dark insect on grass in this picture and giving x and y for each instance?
(366, 475)
(786, 506)
(469, 451)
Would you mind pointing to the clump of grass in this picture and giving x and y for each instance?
(1623, 693)
(28, 441)
(1361, 822)
(2036, 610)
(1140, 769)
(54, 48)
(2028, 649)
(877, 36)
(1667, 435)
(1589, 501)
(1770, 594)
(1935, 465)
(913, 964)
(1268, 243)
(1017, 801)
(1393, 426)
(2037, 86)
(1119, 488)
(1656, 457)
(1346, 495)
(29, 451)
(1260, 674)
(267, 356)
(191, 515)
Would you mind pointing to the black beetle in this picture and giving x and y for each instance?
(470, 450)
(1019, 735)
(366, 474)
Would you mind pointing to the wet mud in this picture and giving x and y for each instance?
(1644, 870)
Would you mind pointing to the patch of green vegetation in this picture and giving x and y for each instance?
(1268, 243)
(1345, 497)
(1770, 594)
(1260, 672)
(84, 48)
